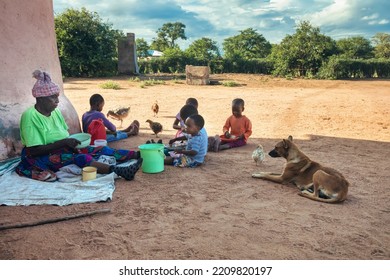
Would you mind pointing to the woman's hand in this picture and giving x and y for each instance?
(71, 143)
(41, 150)
(227, 134)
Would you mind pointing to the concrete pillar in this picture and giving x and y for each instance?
(27, 43)
(127, 55)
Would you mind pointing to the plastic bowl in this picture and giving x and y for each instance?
(84, 138)
(100, 142)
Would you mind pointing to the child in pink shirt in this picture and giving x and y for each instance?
(179, 122)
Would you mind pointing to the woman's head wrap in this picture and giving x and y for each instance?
(44, 86)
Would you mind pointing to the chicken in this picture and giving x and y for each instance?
(155, 108)
(258, 154)
(119, 114)
(155, 126)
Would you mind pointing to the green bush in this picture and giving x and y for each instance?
(217, 65)
(87, 46)
(339, 68)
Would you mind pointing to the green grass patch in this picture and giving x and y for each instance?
(110, 85)
(151, 82)
(135, 80)
(230, 84)
(176, 81)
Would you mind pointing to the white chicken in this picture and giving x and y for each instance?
(258, 154)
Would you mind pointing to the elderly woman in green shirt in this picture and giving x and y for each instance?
(47, 148)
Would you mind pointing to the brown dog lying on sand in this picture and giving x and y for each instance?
(315, 181)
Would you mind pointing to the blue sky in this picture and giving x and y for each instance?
(220, 19)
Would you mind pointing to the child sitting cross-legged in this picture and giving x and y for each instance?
(236, 130)
(96, 102)
(194, 153)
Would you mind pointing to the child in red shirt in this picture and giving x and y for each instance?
(236, 130)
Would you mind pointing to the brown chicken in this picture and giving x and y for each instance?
(155, 126)
(155, 108)
(119, 114)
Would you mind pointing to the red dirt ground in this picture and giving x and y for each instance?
(218, 211)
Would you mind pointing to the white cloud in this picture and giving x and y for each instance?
(224, 18)
(373, 16)
(374, 20)
(339, 11)
(282, 5)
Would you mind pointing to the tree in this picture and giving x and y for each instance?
(86, 45)
(174, 60)
(168, 34)
(354, 48)
(247, 45)
(142, 47)
(382, 45)
(159, 45)
(302, 53)
(203, 49)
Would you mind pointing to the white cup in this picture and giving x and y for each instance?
(100, 142)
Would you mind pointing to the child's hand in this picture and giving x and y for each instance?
(171, 142)
(227, 134)
(178, 151)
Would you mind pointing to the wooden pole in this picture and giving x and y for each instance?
(55, 220)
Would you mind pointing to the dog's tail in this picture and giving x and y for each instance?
(336, 199)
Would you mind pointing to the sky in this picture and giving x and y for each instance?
(221, 19)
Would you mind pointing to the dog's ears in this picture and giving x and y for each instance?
(286, 142)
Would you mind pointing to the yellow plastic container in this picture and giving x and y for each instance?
(89, 173)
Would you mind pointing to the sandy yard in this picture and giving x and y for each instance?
(218, 211)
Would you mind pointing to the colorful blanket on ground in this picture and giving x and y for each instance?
(16, 190)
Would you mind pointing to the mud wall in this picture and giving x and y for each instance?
(27, 42)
